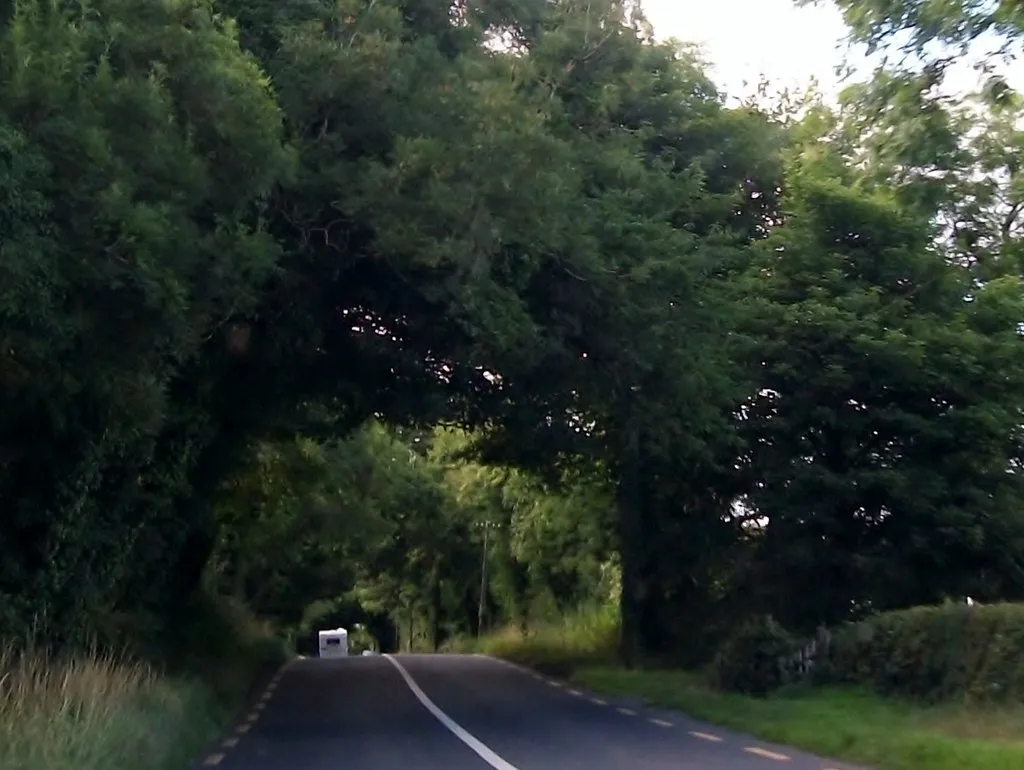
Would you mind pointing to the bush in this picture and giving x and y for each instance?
(935, 653)
(360, 639)
(754, 660)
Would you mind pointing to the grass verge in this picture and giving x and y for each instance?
(103, 712)
(848, 724)
(854, 725)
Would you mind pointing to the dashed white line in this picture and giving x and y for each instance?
(765, 753)
(706, 736)
(481, 750)
(500, 764)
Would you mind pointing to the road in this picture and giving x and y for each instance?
(454, 712)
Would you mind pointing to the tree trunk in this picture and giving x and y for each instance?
(435, 609)
(483, 586)
(632, 546)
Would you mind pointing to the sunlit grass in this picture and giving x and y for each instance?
(588, 637)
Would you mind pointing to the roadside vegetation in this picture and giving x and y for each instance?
(448, 320)
(933, 688)
(103, 709)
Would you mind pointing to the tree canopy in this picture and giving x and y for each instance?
(467, 313)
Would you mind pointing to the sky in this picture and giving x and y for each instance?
(744, 38)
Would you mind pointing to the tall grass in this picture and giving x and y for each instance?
(588, 637)
(98, 711)
(92, 712)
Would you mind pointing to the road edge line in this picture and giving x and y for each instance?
(478, 746)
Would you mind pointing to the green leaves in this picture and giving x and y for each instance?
(140, 141)
(873, 429)
(221, 231)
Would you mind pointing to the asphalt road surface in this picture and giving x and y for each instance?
(455, 712)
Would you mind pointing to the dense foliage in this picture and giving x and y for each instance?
(436, 317)
(951, 652)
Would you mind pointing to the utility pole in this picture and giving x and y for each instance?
(483, 583)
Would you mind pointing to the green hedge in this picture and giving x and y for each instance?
(934, 653)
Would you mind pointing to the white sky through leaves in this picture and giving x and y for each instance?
(744, 38)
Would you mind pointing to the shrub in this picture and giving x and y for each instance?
(935, 653)
(754, 660)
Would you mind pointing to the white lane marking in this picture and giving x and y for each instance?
(660, 722)
(627, 712)
(706, 737)
(599, 702)
(454, 727)
(766, 754)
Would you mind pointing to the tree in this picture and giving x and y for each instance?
(883, 431)
(127, 242)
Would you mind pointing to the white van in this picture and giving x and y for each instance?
(334, 643)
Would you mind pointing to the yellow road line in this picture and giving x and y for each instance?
(706, 737)
(660, 722)
(213, 759)
(766, 754)
(627, 712)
